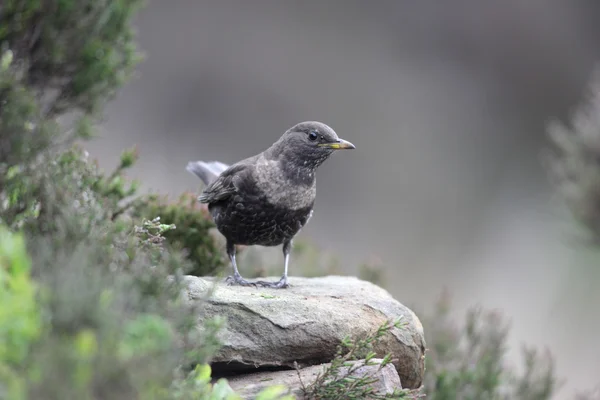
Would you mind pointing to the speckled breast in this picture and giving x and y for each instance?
(254, 221)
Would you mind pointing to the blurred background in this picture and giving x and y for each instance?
(448, 106)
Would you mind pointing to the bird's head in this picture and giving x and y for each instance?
(309, 144)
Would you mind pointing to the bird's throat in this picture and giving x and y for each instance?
(295, 174)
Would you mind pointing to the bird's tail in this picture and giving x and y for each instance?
(207, 171)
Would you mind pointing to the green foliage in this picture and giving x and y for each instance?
(146, 334)
(194, 230)
(20, 319)
(24, 134)
(19, 316)
(468, 362)
(76, 52)
(117, 326)
(572, 161)
(25, 130)
(115, 188)
(276, 392)
(341, 380)
(193, 221)
(119, 198)
(58, 57)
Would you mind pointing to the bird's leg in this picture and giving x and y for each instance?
(283, 282)
(236, 278)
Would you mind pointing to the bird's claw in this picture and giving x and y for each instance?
(238, 280)
(281, 284)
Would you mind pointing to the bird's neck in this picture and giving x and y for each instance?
(298, 173)
(285, 184)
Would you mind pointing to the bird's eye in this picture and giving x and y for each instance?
(312, 135)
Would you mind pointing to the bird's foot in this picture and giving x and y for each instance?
(236, 279)
(281, 284)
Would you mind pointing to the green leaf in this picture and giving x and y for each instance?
(222, 391)
(86, 344)
(272, 393)
(20, 322)
(145, 335)
(203, 373)
(128, 158)
(6, 60)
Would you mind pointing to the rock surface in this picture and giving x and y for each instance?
(249, 385)
(269, 328)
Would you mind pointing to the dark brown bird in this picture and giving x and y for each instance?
(266, 199)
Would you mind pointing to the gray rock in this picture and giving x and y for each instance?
(249, 385)
(270, 328)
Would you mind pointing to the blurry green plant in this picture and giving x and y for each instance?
(77, 53)
(57, 59)
(19, 316)
(573, 164)
(467, 362)
(194, 230)
(20, 319)
(120, 198)
(116, 326)
(573, 161)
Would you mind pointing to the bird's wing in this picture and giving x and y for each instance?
(225, 185)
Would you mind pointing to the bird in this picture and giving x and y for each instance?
(266, 199)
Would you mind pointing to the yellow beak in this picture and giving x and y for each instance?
(341, 144)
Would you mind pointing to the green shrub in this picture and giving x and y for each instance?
(467, 362)
(79, 53)
(193, 235)
(572, 161)
(20, 319)
(116, 327)
(19, 316)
